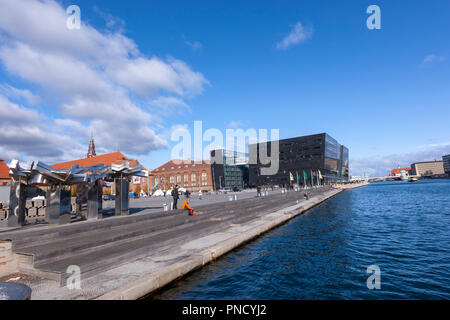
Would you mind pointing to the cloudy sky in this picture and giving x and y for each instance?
(134, 71)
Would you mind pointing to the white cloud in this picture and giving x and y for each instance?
(15, 93)
(112, 22)
(168, 104)
(25, 133)
(195, 45)
(63, 74)
(149, 76)
(433, 58)
(297, 35)
(434, 145)
(234, 124)
(97, 81)
(42, 25)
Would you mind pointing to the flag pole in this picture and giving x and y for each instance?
(290, 180)
(318, 184)
(304, 180)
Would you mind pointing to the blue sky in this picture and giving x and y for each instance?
(383, 93)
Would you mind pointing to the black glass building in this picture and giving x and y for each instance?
(318, 155)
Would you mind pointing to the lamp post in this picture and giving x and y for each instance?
(148, 183)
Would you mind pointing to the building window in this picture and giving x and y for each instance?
(186, 179)
(172, 179)
(204, 180)
(178, 178)
(156, 180)
(193, 178)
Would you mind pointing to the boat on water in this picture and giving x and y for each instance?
(412, 179)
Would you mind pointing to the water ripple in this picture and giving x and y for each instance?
(401, 227)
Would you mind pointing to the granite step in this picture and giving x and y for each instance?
(60, 247)
(101, 260)
(49, 234)
(156, 221)
(46, 234)
(104, 244)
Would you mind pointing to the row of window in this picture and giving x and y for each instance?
(302, 157)
(179, 167)
(177, 179)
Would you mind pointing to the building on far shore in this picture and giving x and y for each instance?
(398, 172)
(188, 174)
(5, 179)
(446, 160)
(229, 169)
(427, 168)
(318, 155)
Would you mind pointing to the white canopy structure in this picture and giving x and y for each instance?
(158, 193)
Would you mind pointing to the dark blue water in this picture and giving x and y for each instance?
(402, 227)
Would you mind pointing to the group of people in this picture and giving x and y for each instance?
(185, 205)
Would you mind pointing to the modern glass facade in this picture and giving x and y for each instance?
(304, 157)
(446, 160)
(332, 148)
(229, 169)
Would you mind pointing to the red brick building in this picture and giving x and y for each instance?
(190, 175)
(137, 183)
(5, 180)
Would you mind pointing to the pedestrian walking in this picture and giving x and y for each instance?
(175, 197)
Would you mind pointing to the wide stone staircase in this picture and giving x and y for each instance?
(96, 246)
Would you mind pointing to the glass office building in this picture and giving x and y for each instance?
(297, 156)
(446, 160)
(229, 169)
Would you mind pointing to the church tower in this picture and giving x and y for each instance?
(91, 152)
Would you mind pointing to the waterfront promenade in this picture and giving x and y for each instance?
(130, 256)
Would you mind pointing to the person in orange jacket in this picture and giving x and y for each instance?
(186, 206)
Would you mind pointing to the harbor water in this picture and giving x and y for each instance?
(402, 228)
